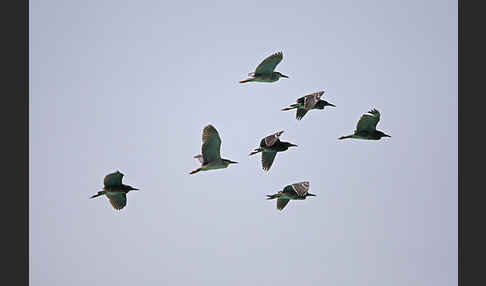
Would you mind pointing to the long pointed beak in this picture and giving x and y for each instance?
(330, 104)
(285, 76)
(386, 135)
(293, 145)
(134, 189)
(311, 195)
(233, 162)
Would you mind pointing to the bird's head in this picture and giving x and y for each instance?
(288, 144)
(130, 188)
(229, 162)
(329, 104)
(322, 103)
(382, 134)
(281, 75)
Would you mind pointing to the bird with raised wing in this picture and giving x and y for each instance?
(211, 157)
(115, 190)
(308, 102)
(366, 127)
(269, 146)
(297, 191)
(264, 72)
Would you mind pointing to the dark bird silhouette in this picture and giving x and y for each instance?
(265, 70)
(308, 102)
(269, 146)
(366, 128)
(114, 190)
(297, 191)
(211, 156)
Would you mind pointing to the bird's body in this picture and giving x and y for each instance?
(114, 190)
(270, 146)
(210, 158)
(265, 70)
(366, 127)
(297, 191)
(308, 102)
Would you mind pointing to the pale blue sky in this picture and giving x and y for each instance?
(129, 85)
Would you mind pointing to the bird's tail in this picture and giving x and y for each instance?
(258, 150)
(98, 194)
(195, 171)
(246, 80)
(345, 137)
(290, 107)
(274, 196)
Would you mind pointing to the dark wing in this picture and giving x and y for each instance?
(281, 203)
(269, 64)
(301, 188)
(271, 139)
(113, 179)
(211, 144)
(267, 159)
(300, 113)
(310, 100)
(368, 121)
(118, 200)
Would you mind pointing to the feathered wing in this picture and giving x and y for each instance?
(267, 159)
(281, 203)
(211, 144)
(268, 65)
(271, 139)
(118, 200)
(300, 113)
(301, 188)
(368, 121)
(113, 179)
(310, 100)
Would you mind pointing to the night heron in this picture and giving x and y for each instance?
(211, 156)
(366, 128)
(269, 146)
(308, 102)
(114, 190)
(264, 71)
(297, 191)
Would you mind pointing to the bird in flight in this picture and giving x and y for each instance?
(308, 102)
(264, 72)
(297, 191)
(114, 190)
(269, 146)
(211, 156)
(366, 128)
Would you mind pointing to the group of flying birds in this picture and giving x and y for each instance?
(210, 158)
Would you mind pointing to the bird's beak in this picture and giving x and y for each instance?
(293, 145)
(284, 76)
(134, 189)
(330, 104)
(311, 195)
(386, 135)
(232, 162)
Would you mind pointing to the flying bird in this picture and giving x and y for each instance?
(366, 128)
(308, 102)
(265, 70)
(269, 146)
(297, 191)
(114, 190)
(211, 156)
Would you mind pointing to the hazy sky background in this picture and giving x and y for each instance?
(129, 86)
